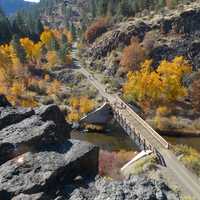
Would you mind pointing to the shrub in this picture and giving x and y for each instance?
(195, 95)
(190, 157)
(54, 88)
(110, 163)
(144, 165)
(132, 56)
(149, 41)
(96, 29)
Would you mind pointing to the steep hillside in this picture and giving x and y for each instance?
(122, 47)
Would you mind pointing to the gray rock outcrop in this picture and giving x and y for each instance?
(102, 115)
(36, 172)
(179, 32)
(135, 187)
(121, 35)
(36, 156)
(10, 115)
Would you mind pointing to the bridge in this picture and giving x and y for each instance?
(149, 139)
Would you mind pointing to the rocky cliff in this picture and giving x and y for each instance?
(178, 30)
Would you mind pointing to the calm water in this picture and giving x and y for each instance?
(116, 139)
(193, 142)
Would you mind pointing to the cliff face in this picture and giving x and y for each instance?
(178, 34)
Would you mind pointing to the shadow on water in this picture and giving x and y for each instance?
(113, 139)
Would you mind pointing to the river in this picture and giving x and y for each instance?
(193, 142)
(115, 139)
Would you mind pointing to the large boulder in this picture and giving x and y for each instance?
(3, 101)
(136, 187)
(53, 113)
(33, 173)
(39, 196)
(100, 116)
(10, 115)
(28, 135)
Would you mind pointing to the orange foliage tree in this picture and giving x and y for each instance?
(96, 29)
(52, 59)
(54, 88)
(132, 56)
(195, 94)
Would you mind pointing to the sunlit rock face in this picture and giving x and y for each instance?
(37, 172)
(25, 129)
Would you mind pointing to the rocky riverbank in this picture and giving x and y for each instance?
(38, 161)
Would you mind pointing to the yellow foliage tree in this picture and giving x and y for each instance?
(33, 51)
(52, 59)
(80, 106)
(86, 105)
(74, 116)
(46, 37)
(28, 46)
(158, 86)
(54, 88)
(74, 102)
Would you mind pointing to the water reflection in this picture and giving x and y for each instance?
(116, 139)
(193, 142)
(113, 140)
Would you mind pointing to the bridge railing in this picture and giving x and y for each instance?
(159, 138)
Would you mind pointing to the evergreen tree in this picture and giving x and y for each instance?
(19, 50)
(54, 46)
(5, 28)
(63, 52)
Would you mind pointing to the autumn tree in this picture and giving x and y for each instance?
(46, 37)
(52, 59)
(33, 50)
(96, 29)
(132, 56)
(163, 85)
(195, 94)
(54, 88)
(86, 105)
(74, 116)
(68, 35)
(79, 107)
